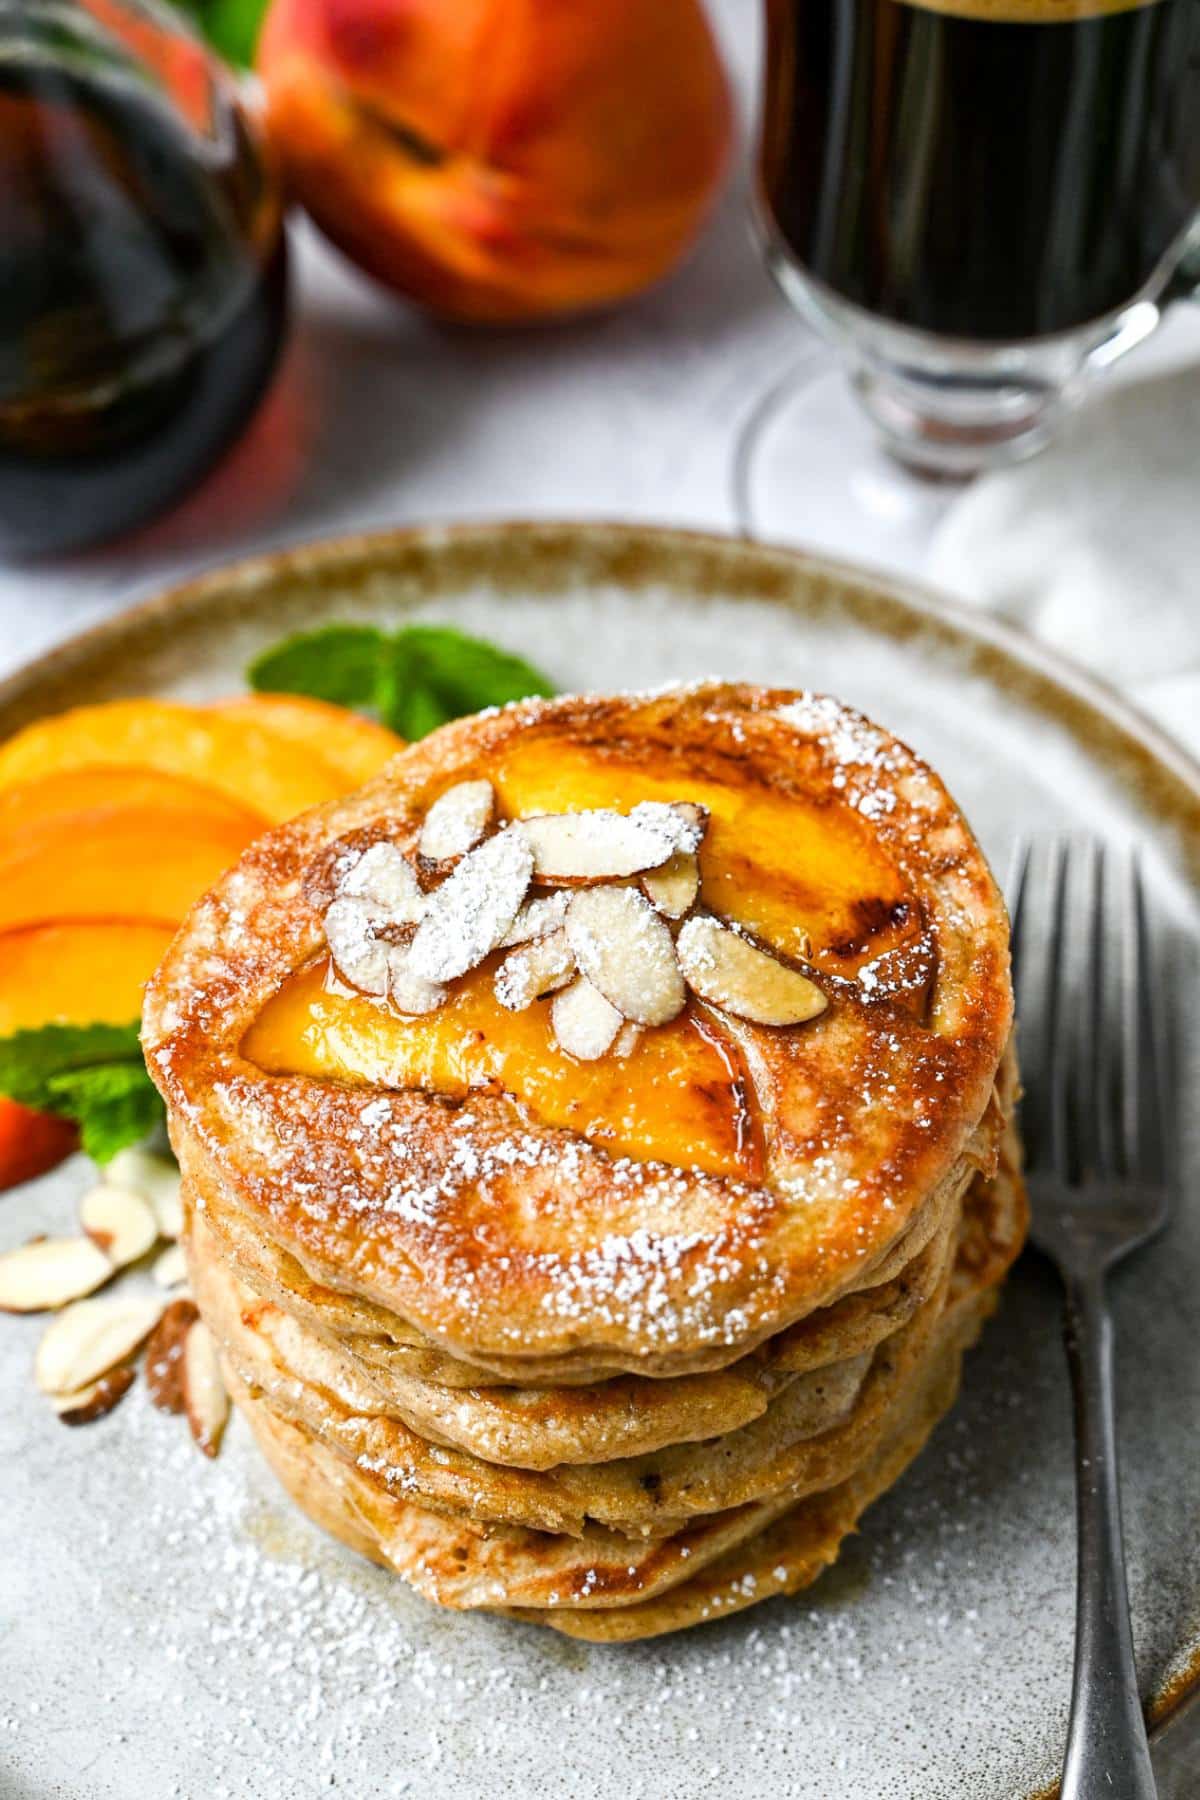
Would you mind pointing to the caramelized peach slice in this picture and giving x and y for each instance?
(678, 1097)
(238, 756)
(810, 879)
(354, 747)
(27, 805)
(109, 863)
(80, 972)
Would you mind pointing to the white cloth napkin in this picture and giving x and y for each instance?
(1094, 546)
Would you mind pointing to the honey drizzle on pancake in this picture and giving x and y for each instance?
(681, 1095)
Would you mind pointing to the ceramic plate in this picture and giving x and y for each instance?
(170, 1627)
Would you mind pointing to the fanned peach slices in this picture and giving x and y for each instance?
(114, 819)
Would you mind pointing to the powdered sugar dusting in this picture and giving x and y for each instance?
(470, 913)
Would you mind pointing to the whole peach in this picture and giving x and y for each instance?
(500, 159)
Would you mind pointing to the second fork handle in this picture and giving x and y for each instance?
(1107, 1749)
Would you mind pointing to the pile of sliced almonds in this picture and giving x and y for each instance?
(85, 1361)
(611, 928)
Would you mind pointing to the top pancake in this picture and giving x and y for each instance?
(498, 1234)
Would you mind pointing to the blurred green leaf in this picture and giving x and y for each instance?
(93, 1074)
(114, 1104)
(413, 680)
(231, 26)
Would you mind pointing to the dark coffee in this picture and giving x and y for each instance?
(1000, 171)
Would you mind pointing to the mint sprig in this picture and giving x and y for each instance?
(93, 1074)
(231, 26)
(412, 680)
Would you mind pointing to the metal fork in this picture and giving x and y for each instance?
(1095, 1128)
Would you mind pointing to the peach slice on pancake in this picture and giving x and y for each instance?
(679, 1095)
(812, 881)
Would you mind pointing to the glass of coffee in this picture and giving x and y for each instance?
(980, 203)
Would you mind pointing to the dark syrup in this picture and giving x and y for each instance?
(142, 279)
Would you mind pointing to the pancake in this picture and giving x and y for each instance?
(276, 1361)
(629, 1415)
(530, 1423)
(393, 1348)
(818, 1424)
(606, 1588)
(792, 1552)
(597, 1146)
(515, 1232)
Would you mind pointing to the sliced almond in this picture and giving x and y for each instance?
(626, 1040)
(408, 990)
(537, 918)
(156, 1179)
(49, 1272)
(93, 1401)
(359, 957)
(457, 820)
(535, 969)
(672, 889)
(626, 951)
(119, 1222)
(682, 821)
(602, 845)
(205, 1399)
(170, 1268)
(472, 910)
(735, 975)
(584, 1022)
(385, 880)
(164, 1356)
(90, 1338)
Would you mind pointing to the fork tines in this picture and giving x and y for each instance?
(1090, 1015)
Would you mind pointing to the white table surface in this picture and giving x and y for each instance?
(380, 417)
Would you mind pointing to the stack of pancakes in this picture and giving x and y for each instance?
(605, 1342)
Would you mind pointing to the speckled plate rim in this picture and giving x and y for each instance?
(542, 554)
(545, 555)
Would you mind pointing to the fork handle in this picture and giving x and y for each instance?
(1107, 1749)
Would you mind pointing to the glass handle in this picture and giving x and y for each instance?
(1185, 282)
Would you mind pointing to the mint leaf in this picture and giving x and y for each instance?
(349, 665)
(466, 674)
(231, 26)
(93, 1074)
(416, 711)
(113, 1104)
(413, 680)
(29, 1060)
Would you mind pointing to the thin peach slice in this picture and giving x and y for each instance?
(809, 878)
(678, 1096)
(107, 863)
(356, 748)
(79, 972)
(27, 805)
(238, 756)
